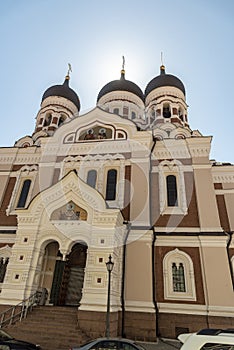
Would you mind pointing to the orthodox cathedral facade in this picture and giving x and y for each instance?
(128, 179)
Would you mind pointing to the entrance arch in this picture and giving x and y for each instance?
(68, 277)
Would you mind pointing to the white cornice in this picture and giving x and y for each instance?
(225, 191)
(196, 309)
(141, 306)
(7, 238)
(184, 168)
(192, 241)
(223, 175)
(202, 166)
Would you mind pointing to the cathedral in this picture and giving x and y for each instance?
(131, 182)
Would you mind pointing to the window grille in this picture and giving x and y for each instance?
(178, 277)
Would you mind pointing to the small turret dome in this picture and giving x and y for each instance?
(121, 85)
(164, 80)
(63, 91)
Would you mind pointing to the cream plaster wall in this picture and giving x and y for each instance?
(36, 187)
(229, 200)
(45, 177)
(138, 276)
(139, 194)
(207, 206)
(3, 184)
(217, 275)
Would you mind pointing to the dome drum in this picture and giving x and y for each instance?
(60, 101)
(123, 103)
(165, 92)
(167, 110)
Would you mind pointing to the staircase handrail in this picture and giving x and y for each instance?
(20, 311)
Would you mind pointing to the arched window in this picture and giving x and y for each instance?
(116, 110)
(179, 279)
(92, 178)
(61, 120)
(171, 191)
(166, 111)
(133, 115)
(181, 114)
(111, 184)
(24, 194)
(125, 111)
(47, 120)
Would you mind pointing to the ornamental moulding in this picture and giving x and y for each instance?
(95, 147)
(27, 159)
(27, 220)
(7, 159)
(113, 96)
(200, 152)
(168, 154)
(223, 178)
(104, 220)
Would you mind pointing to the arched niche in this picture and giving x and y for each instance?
(97, 132)
(69, 211)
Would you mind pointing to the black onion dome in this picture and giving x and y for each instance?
(121, 85)
(164, 80)
(63, 91)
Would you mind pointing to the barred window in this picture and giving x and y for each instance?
(178, 277)
(24, 194)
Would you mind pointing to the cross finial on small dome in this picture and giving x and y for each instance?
(162, 67)
(123, 64)
(69, 71)
(123, 70)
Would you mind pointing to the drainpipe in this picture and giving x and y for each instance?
(230, 234)
(153, 283)
(128, 225)
(153, 241)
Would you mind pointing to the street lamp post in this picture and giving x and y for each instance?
(109, 266)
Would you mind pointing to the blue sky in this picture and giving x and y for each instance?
(40, 37)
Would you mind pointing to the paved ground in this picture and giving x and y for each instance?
(162, 344)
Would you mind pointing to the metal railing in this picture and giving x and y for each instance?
(18, 312)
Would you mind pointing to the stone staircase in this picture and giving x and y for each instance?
(54, 328)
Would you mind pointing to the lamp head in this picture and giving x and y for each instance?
(109, 264)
